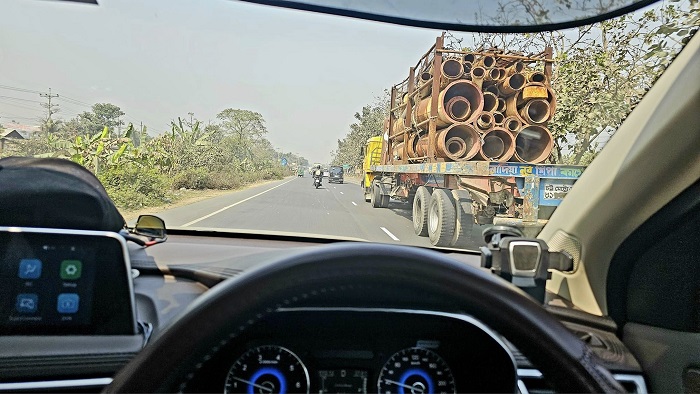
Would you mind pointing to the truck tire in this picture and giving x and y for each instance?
(376, 198)
(385, 201)
(421, 203)
(464, 219)
(441, 218)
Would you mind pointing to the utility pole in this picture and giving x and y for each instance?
(49, 96)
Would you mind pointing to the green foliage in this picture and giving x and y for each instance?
(140, 171)
(370, 123)
(133, 187)
(192, 178)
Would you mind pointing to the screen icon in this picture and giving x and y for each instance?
(68, 303)
(71, 269)
(27, 303)
(29, 268)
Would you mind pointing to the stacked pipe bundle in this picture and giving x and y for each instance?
(489, 108)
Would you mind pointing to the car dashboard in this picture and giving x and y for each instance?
(313, 347)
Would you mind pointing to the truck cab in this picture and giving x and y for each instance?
(372, 156)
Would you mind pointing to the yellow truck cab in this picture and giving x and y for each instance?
(372, 157)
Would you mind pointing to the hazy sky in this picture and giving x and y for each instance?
(307, 74)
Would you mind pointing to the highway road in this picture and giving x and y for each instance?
(294, 205)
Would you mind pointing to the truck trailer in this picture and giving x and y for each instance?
(466, 144)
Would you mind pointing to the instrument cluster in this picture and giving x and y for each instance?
(336, 350)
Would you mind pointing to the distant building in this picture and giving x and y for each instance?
(7, 135)
(26, 131)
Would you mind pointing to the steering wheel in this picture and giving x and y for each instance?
(353, 272)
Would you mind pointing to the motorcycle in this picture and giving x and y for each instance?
(317, 182)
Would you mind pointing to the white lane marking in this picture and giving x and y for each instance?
(342, 193)
(353, 203)
(392, 236)
(333, 187)
(328, 190)
(233, 205)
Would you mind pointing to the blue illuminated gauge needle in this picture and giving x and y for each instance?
(257, 386)
(414, 389)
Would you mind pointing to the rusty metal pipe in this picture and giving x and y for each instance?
(490, 102)
(492, 74)
(469, 58)
(424, 84)
(458, 108)
(421, 148)
(498, 145)
(478, 73)
(512, 124)
(457, 142)
(411, 148)
(501, 105)
(459, 88)
(397, 152)
(498, 118)
(537, 77)
(501, 73)
(399, 126)
(533, 144)
(490, 87)
(484, 122)
(467, 67)
(517, 101)
(511, 84)
(451, 69)
(515, 68)
(486, 61)
(535, 111)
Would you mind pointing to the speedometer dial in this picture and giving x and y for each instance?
(416, 371)
(267, 370)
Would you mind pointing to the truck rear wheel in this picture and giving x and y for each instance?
(441, 218)
(420, 211)
(385, 201)
(376, 198)
(464, 219)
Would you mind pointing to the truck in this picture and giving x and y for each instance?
(473, 158)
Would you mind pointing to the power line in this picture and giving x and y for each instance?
(19, 89)
(19, 106)
(8, 115)
(19, 99)
(76, 101)
(66, 100)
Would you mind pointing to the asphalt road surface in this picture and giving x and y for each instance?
(294, 205)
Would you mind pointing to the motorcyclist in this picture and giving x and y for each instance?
(318, 173)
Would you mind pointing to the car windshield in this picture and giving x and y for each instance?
(218, 114)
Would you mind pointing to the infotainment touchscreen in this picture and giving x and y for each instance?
(64, 282)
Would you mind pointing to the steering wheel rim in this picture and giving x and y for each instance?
(232, 306)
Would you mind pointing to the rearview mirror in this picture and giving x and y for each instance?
(150, 226)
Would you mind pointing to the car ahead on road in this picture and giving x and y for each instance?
(335, 174)
(247, 303)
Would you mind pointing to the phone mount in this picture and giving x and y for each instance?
(524, 262)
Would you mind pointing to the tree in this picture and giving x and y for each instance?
(102, 115)
(245, 128)
(370, 123)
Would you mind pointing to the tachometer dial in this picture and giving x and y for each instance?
(416, 371)
(267, 370)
